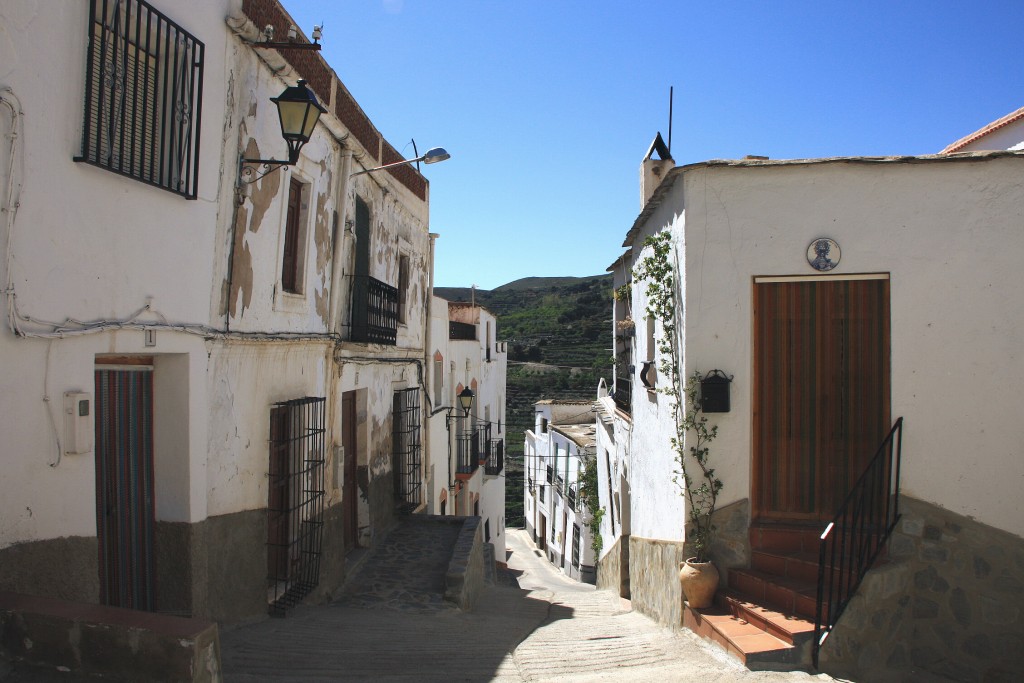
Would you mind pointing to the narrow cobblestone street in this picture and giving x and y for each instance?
(533, 625)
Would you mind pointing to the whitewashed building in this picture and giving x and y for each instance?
(212, 367)
(466, 452)
(1006, 132)
(842, 297)
(556, 518)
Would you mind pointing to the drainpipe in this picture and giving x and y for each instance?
(427, 346)
(337, 255)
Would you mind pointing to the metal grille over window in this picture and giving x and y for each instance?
(408, 451)
(143, 96)
(295, 503)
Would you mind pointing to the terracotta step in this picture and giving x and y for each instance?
(786, 537)
(741, 638)
(786, 594)
(795, 564)
(789, 628)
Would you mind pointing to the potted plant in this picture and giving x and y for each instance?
(698, 482)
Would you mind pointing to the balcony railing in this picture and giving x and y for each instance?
(471, 450)
(551, 475)
(374, 312)
(623, 395)
(571, 497)
(483, 442)
(559, 483)
(496, 459)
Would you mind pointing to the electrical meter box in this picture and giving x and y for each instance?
(78, 422)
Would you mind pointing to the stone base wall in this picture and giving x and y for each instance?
(215, 569)
(654, 579)
(731, 544)
(65, 568)
(613, 568)
(948, 599)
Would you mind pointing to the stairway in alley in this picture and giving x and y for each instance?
(765, 616)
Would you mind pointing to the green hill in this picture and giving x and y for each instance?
(558, 331)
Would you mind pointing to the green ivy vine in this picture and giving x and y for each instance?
(699, 483)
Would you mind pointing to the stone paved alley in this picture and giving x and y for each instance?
(532, 625)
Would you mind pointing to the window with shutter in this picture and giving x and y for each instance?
(143, 95)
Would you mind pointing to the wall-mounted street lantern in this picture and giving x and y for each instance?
(298, 111)
(432, 156)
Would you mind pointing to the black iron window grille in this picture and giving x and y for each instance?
(374, 312)
(143, 96)
(551, 475)
(571, 497)
(576, 546)
(496, 458)
(408, 450)
(295, 501)
(543, 493)
(559, 483)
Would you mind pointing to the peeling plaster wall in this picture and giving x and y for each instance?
(244, 380)
(255, 298)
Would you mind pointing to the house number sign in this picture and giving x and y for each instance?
(823, 254)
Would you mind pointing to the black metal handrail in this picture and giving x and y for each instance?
(374, 312)
(856, 535)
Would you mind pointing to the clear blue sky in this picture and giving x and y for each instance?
(548, 106)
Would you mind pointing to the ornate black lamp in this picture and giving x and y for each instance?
(298, 111)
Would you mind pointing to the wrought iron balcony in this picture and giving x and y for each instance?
(471, 450)
(559, 483)
(551, 475)
(571, 497)
(623, 396)
(496, 459)
(374, 312)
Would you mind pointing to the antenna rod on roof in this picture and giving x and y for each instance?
(670, 120)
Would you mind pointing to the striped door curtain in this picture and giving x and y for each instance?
(124, 487)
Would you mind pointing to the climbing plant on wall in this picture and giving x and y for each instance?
(700, 486)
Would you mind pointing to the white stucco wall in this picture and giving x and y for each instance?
(1010, 136)
(948, 233)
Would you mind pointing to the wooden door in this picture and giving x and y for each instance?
(125, 503)
(821, 392)
(349, 488)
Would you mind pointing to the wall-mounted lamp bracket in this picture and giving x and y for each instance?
(287, 46)
(246, 172)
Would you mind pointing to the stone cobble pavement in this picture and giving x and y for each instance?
(534, 624)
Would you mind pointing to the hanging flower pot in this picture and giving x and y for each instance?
(699, 581)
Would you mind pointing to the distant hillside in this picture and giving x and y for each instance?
(558, 331)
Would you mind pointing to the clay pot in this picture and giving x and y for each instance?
(699, 581)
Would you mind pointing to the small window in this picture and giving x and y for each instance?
(543, 425)
(403, 288)
(438, 380)
(292, 258)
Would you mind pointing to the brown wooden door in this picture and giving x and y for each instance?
(279, 496)
(349, 490)
(821, 392)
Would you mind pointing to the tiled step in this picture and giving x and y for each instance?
(744, 640)
(794, 565)
(786, 537)
(789, 628)
(788, 595)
